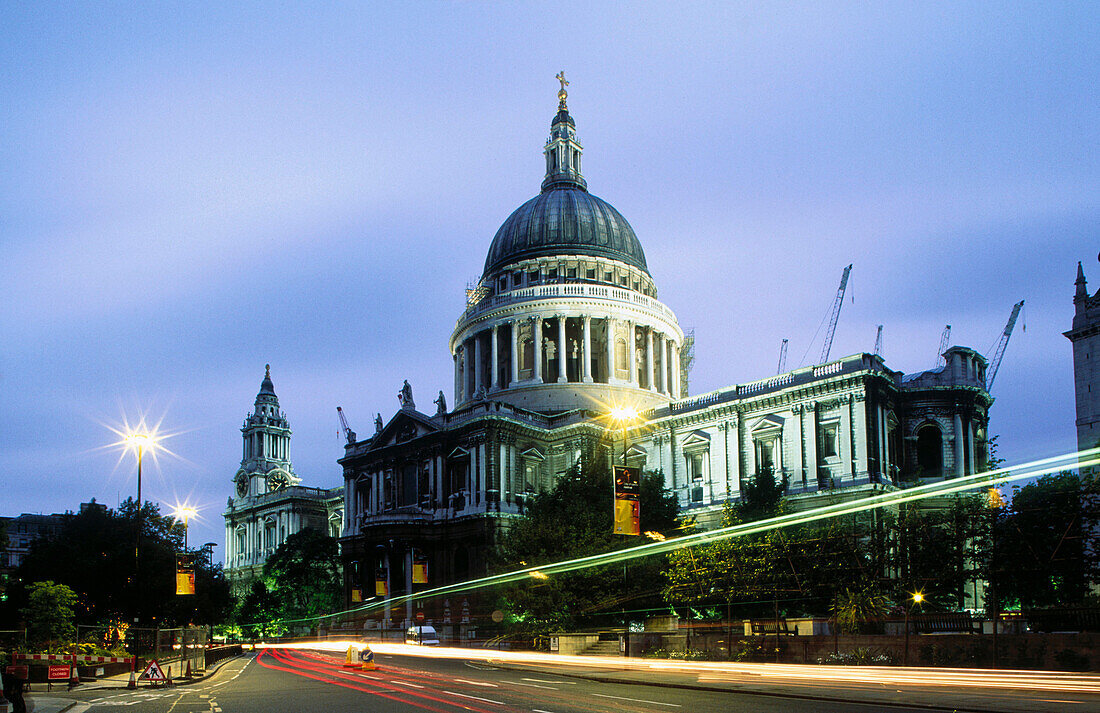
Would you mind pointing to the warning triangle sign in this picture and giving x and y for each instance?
(153, 672)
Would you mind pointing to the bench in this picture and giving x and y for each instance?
(771, 627)
(944, 623)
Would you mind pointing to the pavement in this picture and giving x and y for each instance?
(44, 702)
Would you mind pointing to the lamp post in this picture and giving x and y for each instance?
(185, 513)
(916, 598)
(139, 441)
(623, 415)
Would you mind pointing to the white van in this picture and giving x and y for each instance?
(422, 636)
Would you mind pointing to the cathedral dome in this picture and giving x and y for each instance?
(565, 220)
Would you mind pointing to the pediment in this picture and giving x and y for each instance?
(696, 439)
(406, 425)
(532, 454)
(771, 422)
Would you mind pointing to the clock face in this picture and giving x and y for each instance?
(242, 485)
(276, 480)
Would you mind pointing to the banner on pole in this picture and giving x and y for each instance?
(185, 574)
(381, 589)
(420, 568)
(627, 493)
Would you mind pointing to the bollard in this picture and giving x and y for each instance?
(349, 658)
(367, 657)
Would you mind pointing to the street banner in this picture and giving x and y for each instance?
(420, 568)
(356, 595)
(185, 574)
(381, 589)
(627, 493)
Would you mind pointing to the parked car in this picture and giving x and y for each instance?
(422, 636)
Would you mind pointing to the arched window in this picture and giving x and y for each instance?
(621, 356)
(930, 451)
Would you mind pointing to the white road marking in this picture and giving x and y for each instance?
(532, 685)
(406, 683)
(638, 700)
(477, 683)
(539, 710)
(560, 683)
(486, 700)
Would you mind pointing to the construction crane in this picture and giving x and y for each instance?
(878, 342)
(944, 339)
(837, 304)
(995, 362)
(348, 433)
(782, 358)
(687, 360)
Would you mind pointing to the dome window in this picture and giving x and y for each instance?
(590, 273)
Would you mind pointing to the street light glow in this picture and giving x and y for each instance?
(918, 597)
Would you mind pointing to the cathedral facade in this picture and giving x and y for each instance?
(564, 325)
(269, 503)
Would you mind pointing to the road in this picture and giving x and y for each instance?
(276, 680)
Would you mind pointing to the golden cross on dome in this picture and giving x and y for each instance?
(562, 94)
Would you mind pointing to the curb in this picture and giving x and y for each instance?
(195, 678)
(602, 678)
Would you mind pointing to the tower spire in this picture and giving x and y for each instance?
(562, 151)
(1082, 293)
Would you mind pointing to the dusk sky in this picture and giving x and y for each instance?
(192, 190)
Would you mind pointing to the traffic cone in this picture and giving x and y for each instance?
(74, 678)
(168, 678)
(133, 681)
(188, 674)
(368, 659)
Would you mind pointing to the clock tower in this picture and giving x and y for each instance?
(265, 461)
(269, 503)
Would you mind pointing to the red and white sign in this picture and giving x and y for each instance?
(57, 672)
(153, 672)
(79, 658)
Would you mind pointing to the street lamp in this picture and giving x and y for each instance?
(139, 442)
(185, 513)
(916, 598)
(624, 415)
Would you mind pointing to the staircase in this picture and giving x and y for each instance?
(602, 648)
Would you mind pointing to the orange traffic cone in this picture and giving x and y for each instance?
(74, 678)
(168, 678)
(188, 674)
(133, 681)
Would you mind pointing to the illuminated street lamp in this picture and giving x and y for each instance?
(916, 598)
(185, 513)
(139, 442)
(624, 415)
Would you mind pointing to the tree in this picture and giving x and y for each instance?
(304, 575)
(1043, 545)
(49, 615)
(574, 519)
(93, 553)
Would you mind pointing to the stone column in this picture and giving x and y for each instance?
(884, 452)
(809, 413)
(494, 377)
(970, 447)
(859, 448)
(586, 351)
(563, 353)
(649, 371)
(845, 437)
(536, 339)
(631, 354)
(959, 446)
(515, 352)
(477, 363)
(351, 502)
(675, 364)
(610, 350)
(798, 461)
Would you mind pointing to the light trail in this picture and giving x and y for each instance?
(987, 479)
(811, 674)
